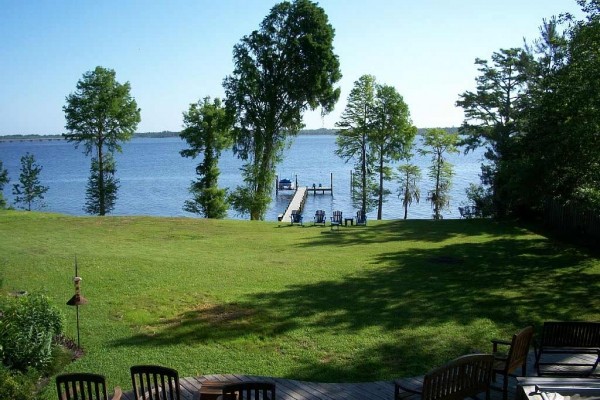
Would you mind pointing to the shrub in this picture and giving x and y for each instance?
(27, 326)
(15, 385)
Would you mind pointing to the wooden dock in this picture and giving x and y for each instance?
(297, 203)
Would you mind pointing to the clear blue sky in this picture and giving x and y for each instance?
(175, 52)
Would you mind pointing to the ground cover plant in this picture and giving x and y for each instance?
(392, 299)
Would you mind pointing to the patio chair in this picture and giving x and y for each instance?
(153, 382)
(462, 377)
(336, 219)
(84, 386)
(296, 217)
(361, 218)
(320, 218)
(249, 391)
(516, 356)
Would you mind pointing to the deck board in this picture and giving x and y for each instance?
(289, 389)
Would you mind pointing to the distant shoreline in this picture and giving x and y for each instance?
(170, 134)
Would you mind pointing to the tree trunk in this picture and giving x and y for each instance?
(101, 190)
(380, 199)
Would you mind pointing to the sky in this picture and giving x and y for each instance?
(176, 52)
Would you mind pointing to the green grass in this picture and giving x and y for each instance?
(392, 299)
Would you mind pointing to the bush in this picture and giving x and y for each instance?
(481, 198)
(15, 385)
(28, 325)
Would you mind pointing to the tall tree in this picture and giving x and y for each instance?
(491, 115)
(101, 114)
(392, 136)
(409, 176)
(29, 189)
(4, 179)
(282, 69)
(355, 126)
(207, 131)
(438, 143)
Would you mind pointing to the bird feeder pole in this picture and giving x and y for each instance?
(77, 300)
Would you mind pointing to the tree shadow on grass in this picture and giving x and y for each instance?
(412, 231)
(435, 303)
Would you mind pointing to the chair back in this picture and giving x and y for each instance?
(462, 377)
(337, 217)
(249, 391)
(519, 348)
(153, 382)
(81, 386)
(296, 216)
(320, 216)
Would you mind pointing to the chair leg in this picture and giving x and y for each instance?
(505, 388)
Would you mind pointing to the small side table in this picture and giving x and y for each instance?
(346, 220)
(211, 390)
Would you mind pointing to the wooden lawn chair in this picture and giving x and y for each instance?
(153, 382)
(84, 386)
(320, 218)
(296, 217)
(507, 362)
(462, 377)
(336, 219)
(361, 218)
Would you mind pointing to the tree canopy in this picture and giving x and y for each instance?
(282, 69)
(536, 111)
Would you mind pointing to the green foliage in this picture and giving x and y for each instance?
(102, 186)
(28, 326)
(480, 197)
(29, 189)
(392, 136)
(4, 179)
(207, 130)
(352, 140)
(492, 115)
(409, 176)
(374, 130)
(101, 114)
(536, 111)
(282, 69)
(437, 143)
(16, 385)
(560, 154)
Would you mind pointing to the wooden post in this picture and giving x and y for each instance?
(331, 183)
(276, 184)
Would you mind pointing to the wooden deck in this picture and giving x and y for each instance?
(289, 389)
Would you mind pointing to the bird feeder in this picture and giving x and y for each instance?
(77, 300)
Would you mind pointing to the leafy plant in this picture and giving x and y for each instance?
(27, 327)
(15, 385)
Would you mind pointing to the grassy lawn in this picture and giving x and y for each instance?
(392, 299)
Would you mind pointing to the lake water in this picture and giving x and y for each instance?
(154, 178)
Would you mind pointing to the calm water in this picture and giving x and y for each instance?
(154, 178)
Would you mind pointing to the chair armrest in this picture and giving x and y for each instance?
(496, 342)
(118, 393)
